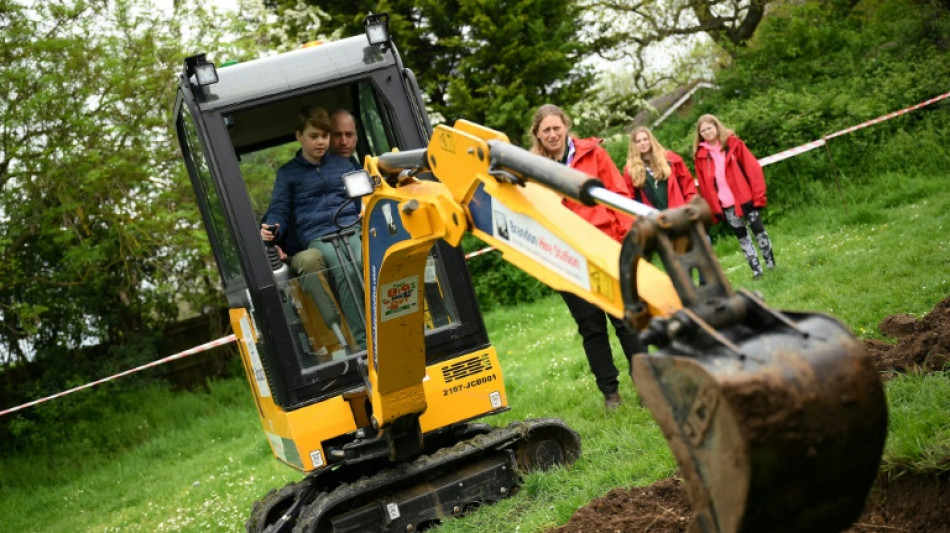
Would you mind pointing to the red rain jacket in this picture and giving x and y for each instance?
(743, 174)
(591, 158)
(680, 186)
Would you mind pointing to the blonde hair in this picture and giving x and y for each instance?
(723, 131)
(636, 166)
(542, 113)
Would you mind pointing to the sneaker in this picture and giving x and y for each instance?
(612, 401)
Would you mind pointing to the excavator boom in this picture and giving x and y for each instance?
(777, 419)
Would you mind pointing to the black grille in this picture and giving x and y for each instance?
(467, 367)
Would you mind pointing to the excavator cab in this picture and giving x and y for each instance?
(234, 135)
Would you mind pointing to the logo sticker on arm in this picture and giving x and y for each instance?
(537, 242)
(399, 297)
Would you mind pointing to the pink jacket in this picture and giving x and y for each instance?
(743, 174)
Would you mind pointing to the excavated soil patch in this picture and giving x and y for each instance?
(662, 507)
(905, 503)
(899, 502)
(911, 503)
(922, 344)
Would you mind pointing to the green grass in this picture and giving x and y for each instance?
(198, 460)
(859, 263)
(157, 461)
(919, 418)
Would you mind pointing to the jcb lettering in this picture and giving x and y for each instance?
(469, 384)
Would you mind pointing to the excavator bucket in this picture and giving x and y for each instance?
(777, 419)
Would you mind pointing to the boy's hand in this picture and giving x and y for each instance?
(269, 231)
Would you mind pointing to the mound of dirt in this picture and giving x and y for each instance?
(922, 344)
(905, 502)
(912, 503)
(663, 507)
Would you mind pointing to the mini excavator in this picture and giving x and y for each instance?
(776, 419)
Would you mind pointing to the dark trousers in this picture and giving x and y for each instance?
(592, 325)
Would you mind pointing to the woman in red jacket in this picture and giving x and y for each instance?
(550, 137)
(658, 177)
(732, 183)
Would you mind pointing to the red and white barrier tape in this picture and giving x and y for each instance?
(888, 116)
(774, 158)
(477, 253)
(206, 346)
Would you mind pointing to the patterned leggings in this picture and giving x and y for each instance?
(754, 219)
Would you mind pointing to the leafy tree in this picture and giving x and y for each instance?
(100, 237)
(685, 32)
(643, 22)
(490, 61)
(264, 28)
(523, 54)
(616, 100)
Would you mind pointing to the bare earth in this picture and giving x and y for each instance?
(899, 502)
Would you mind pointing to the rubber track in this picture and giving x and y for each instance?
(498, 439)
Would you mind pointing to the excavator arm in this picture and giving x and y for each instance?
(777, 419)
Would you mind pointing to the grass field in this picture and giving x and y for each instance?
(194, 462)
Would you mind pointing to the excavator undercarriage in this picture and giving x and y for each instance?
(483, 465)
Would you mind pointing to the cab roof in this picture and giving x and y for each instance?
(270, 76)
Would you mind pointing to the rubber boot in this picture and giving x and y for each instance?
(765, 245)
(750, 255)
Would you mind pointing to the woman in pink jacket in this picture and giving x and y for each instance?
(550, 137)
(658, 177)
(732, 183)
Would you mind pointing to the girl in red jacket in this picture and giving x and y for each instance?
(658, 177)
(550, 137)
(732, 183)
